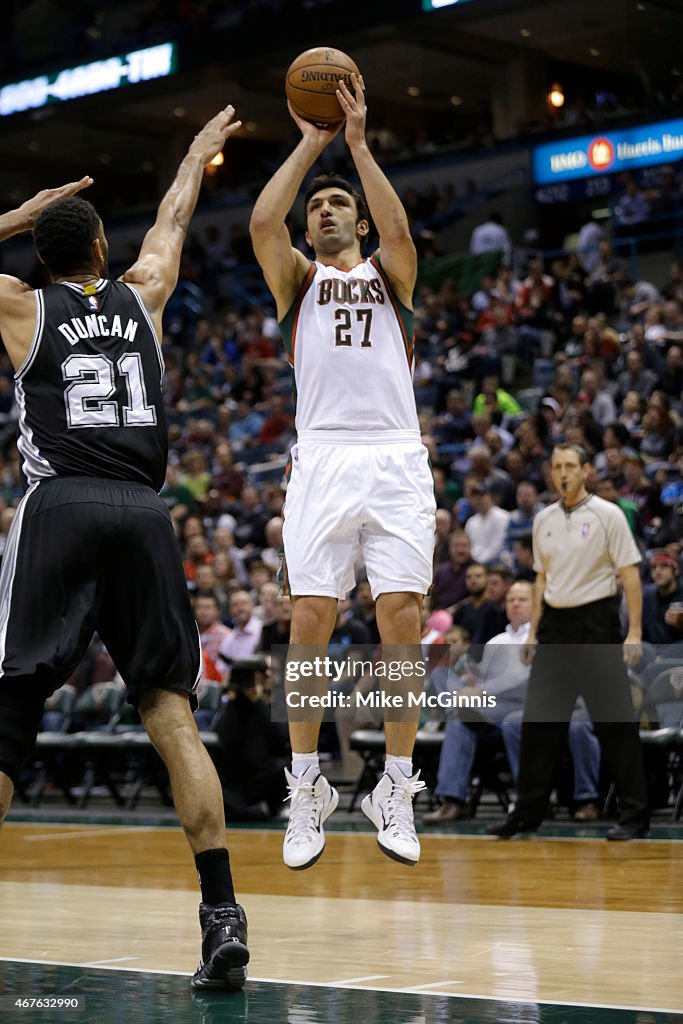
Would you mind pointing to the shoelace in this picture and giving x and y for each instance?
(400, 804)
(305, 811)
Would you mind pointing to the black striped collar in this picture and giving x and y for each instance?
(575, 508)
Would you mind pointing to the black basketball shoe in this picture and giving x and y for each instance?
(224, 948)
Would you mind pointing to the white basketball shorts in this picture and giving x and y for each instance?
(350, 505)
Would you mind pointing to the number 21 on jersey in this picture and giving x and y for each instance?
(88, 396)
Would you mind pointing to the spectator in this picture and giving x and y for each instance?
(617, 443)
(663, 624)
(450, 576)
(246, 424)
(212, 633)
(504, 402)
(632, 208)
(252, 519)
(443, 526)
(607, 490)
(588, 244)
(196, 477)
(487, 527)
(603, 280)
(632, 413)
(198, 553)
(635, 377)
(597, 398)
(636, 298)
(178, 498)
(277, 632)
(453, 426)
(227, 480)
(493, 619)
(467, 613)
(659, 432)
(491, 236)
(245, 637)
(278, 423)
(638, 489)
(522, 516)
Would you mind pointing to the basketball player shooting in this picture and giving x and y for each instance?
(360, 482)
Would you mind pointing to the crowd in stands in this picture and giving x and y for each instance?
(573, 349)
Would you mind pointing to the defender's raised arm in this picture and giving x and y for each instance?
(155, 274)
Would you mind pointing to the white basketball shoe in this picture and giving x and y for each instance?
(313, 800)
(390, 809)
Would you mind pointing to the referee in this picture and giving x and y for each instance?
(579, 544)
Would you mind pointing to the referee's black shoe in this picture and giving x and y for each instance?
(628, 830)
(509, 827)
(224, 948)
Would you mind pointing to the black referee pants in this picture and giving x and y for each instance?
(580, 653)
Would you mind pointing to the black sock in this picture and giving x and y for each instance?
(213, 868)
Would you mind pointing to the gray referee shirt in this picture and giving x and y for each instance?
(579, 552)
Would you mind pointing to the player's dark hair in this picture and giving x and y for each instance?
(63, 235)
(568, 446)
(336, 181)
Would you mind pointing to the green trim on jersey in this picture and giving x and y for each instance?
(405, 316)
(288, 324)
(282, 574)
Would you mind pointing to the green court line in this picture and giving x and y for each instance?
(121, 995)
(339, 823)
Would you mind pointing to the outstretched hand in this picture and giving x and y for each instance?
(353, 105)
(32, 208)
(210, 140)
(321, 136)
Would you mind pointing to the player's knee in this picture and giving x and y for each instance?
(398, 616)
(312, 617)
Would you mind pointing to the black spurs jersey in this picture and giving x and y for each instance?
(89, 391)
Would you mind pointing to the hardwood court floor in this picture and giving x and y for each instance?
(581, 923)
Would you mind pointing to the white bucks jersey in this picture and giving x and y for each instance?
(350, 343)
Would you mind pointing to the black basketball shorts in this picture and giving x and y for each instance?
(86, 555)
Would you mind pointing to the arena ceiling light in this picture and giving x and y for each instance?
(88, 79)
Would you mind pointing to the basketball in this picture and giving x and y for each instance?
(311, 84)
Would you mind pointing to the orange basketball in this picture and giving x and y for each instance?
(311, 84)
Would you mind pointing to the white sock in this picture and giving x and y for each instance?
(300, 762)
(404, 763)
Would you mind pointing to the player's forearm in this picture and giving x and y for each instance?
(278, 196)
(13, 223)
(179, 203)
(633, 592)
(384, 204)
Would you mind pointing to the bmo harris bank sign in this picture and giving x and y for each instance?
(609, 152)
